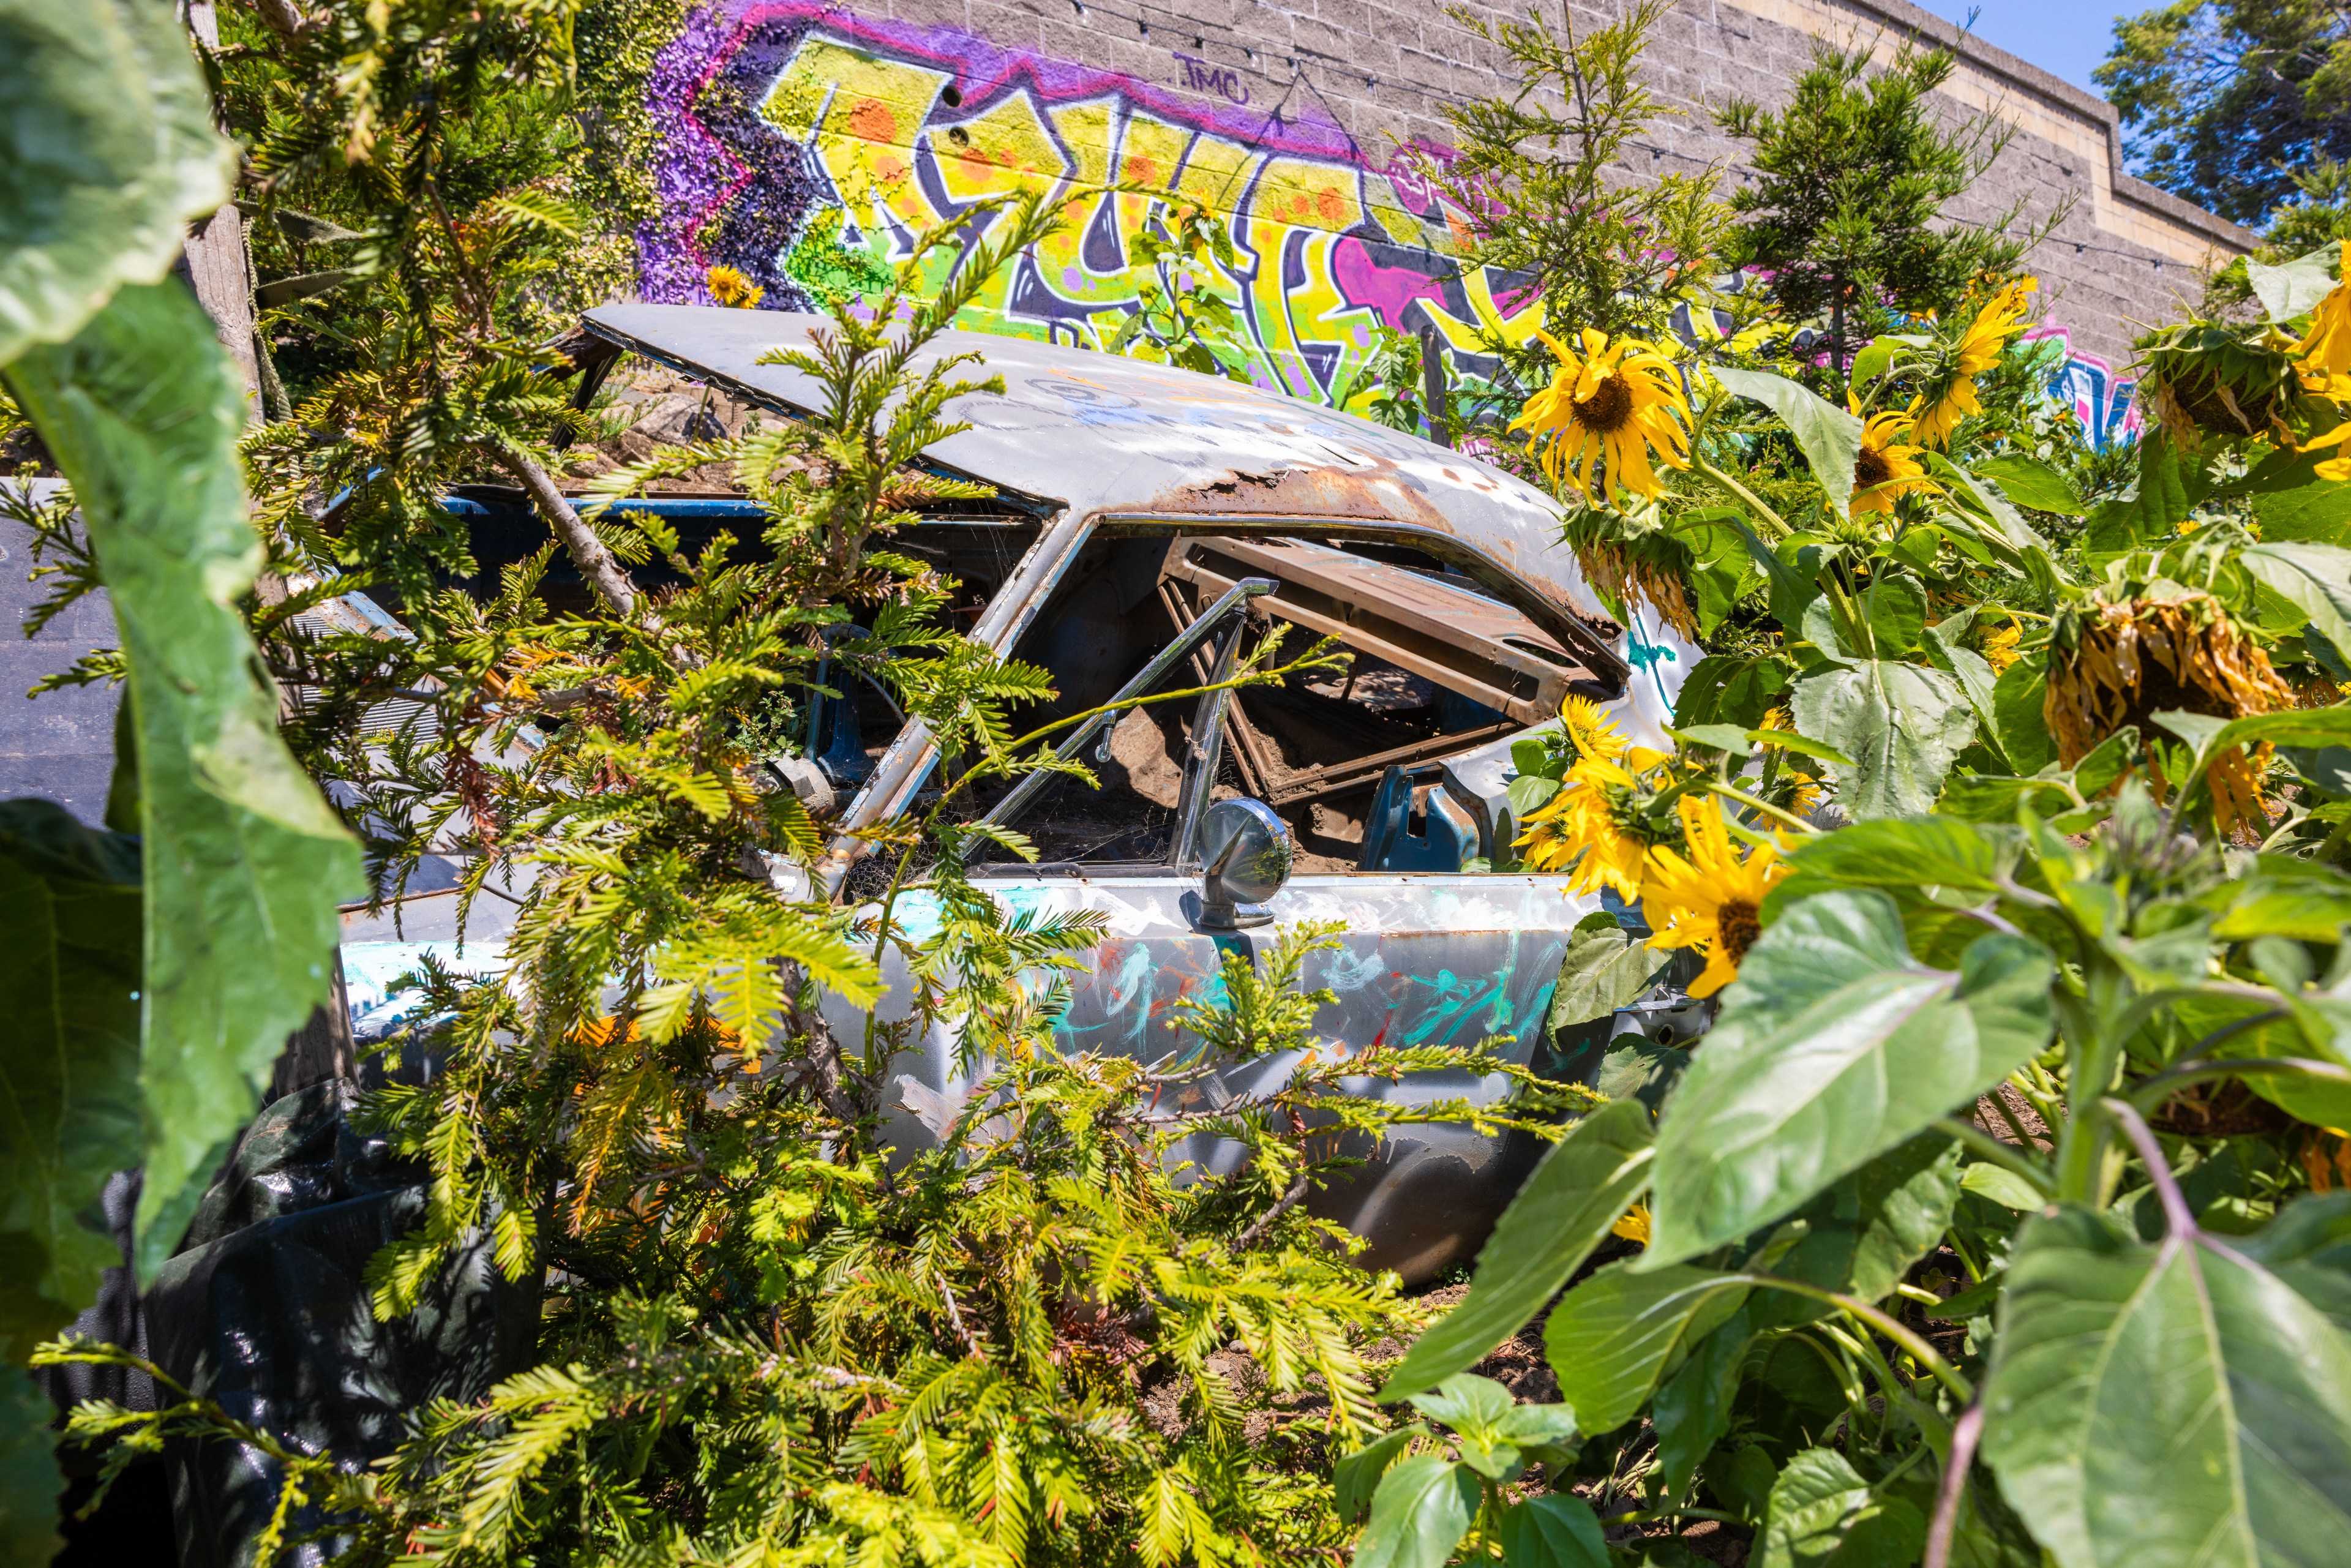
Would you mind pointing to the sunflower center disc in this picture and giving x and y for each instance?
(1870, 468)
(1608, 407)
(1739, 927)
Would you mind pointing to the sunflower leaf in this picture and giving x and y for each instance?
(107, 151)
(2184, 1377)
(2293, 287)
(1830, 437)
(1581, 1188)
(1835, 1045)
(1902, 725)
(2029, 481)
(244, 862)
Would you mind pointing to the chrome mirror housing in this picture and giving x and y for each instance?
(1245, 856)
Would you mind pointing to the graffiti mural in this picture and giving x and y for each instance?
(811, 147)
(2100, 398)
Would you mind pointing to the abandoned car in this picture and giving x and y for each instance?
(1146, 521)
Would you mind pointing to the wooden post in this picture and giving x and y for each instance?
(218, 265)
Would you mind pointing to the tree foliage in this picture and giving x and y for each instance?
(2230, 103)
(1540, 173)
(1847, 214)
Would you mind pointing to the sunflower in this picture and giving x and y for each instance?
(1887, 470)
(2000, 647)
(1582, 830)
(1713, 900)
(2324, 352)
(1603, 413)
(2337, 467)
(2116, 664)
(1591, 731)
(1980, 349)
(1634, 1225)
(731, 288)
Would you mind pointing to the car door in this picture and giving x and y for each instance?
(1445, 955)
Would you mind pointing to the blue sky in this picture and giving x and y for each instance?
(2064, 37)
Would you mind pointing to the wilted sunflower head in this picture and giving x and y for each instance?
(1887, 469)
(1624, 554)
(1609, 407)
(2235, 381)
(1951, 396)
(733, 289)
(2112, 664)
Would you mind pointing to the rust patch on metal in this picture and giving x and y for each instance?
(1374, 494)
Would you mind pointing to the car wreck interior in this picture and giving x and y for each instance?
(1438, 668)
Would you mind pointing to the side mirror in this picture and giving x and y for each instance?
(1245, 851)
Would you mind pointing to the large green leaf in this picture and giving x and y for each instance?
(1975, 677)
(29, 1480)
(2162, 500)
(2308, 1246)
(1830, 437)
(69, 1059)
(1356, 1477)
(2157, 1407)
(1823, 1515)
(2029, 481)
(2315, 578)
(1692, 1412)
(2019, 698)
(1602, 971)
(1581, 1189)
(1553, 1530)
(2304, 509)
(1901, 724)
(1727, 689)
(1420, 1513)
(1614, 1336)
(2293, 287)
(106, 150)
(1862, 1234)
(1835, 1045)
(68, 1114)
(244, 863)
(1922, 852)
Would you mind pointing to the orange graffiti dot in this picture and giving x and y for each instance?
(1143, 169)
(871, 120)
(1334, 211)
(888, 169)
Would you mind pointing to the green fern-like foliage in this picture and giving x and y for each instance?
(769, 1335)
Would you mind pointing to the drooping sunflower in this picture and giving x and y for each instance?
(2116, 664)
(1605, 411)
(1713, 899)
(1887, 470)
(732, 288)
(1580, 830)
(1939, 409)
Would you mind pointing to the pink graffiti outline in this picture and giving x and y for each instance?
(989, 70)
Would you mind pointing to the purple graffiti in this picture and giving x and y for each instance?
(1202, 77)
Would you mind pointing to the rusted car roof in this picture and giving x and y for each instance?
(1118, 440)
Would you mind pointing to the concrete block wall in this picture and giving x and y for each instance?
(1287, 115)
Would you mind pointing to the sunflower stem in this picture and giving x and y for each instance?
(1743, 493)
(1750, 802)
